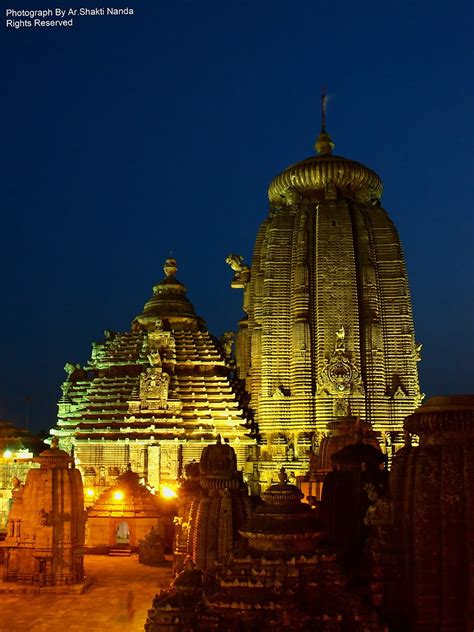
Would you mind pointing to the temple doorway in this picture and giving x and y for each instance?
(122, 533)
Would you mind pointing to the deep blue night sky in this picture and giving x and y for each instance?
(127, 137)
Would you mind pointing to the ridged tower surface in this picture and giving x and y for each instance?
(329, 327)
(46, 525)
(153, 397)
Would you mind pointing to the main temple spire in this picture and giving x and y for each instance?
(324, 144)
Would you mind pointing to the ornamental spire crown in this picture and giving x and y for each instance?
(169, 302)
(324, 144)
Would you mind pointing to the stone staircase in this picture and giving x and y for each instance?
(120, 551)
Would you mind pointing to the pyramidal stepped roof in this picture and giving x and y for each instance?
(135, 499)
(165, 381)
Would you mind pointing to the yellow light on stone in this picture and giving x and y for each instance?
(90, 492)
(167, 492)
(8, 454)
(118, 495)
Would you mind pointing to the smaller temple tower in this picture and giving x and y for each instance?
(45, 538)
(223, 507)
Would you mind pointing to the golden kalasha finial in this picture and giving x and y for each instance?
(170, 268)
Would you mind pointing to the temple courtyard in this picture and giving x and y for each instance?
(118, 599)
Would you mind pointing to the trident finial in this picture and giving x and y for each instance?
(324, 144)
(323, 109)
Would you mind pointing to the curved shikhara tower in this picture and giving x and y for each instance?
(329, 326)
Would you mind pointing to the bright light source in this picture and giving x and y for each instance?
(118, 495)
(8, 454)
(167, 492)
(90, 492)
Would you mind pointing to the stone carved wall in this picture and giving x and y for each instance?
(153, 396)
(432, 487)
(328, 259)
(46, 525)
(154, 385)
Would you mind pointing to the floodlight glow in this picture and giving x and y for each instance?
(90, 492)
(118, 495)
(8, 454)
(167, 492)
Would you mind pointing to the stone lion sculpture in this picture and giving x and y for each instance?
(236, 262)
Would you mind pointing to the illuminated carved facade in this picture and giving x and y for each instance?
(329, 327)
(153, 397)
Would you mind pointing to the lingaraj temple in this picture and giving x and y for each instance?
(327, 335)
(315, 491)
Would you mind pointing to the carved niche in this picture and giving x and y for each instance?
(339, 375)
(153, 392)
(162, 342)
(154, 387)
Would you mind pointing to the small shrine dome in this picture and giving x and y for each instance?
(169, 302)
(124, 513)
(282, 522)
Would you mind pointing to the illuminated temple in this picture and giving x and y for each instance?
(323, 392)
(328, 331)
(153, 397)
(328, 336)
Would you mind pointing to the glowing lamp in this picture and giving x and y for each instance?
(118, 495)
(167, 492)
(8, 454)
(90, 492)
